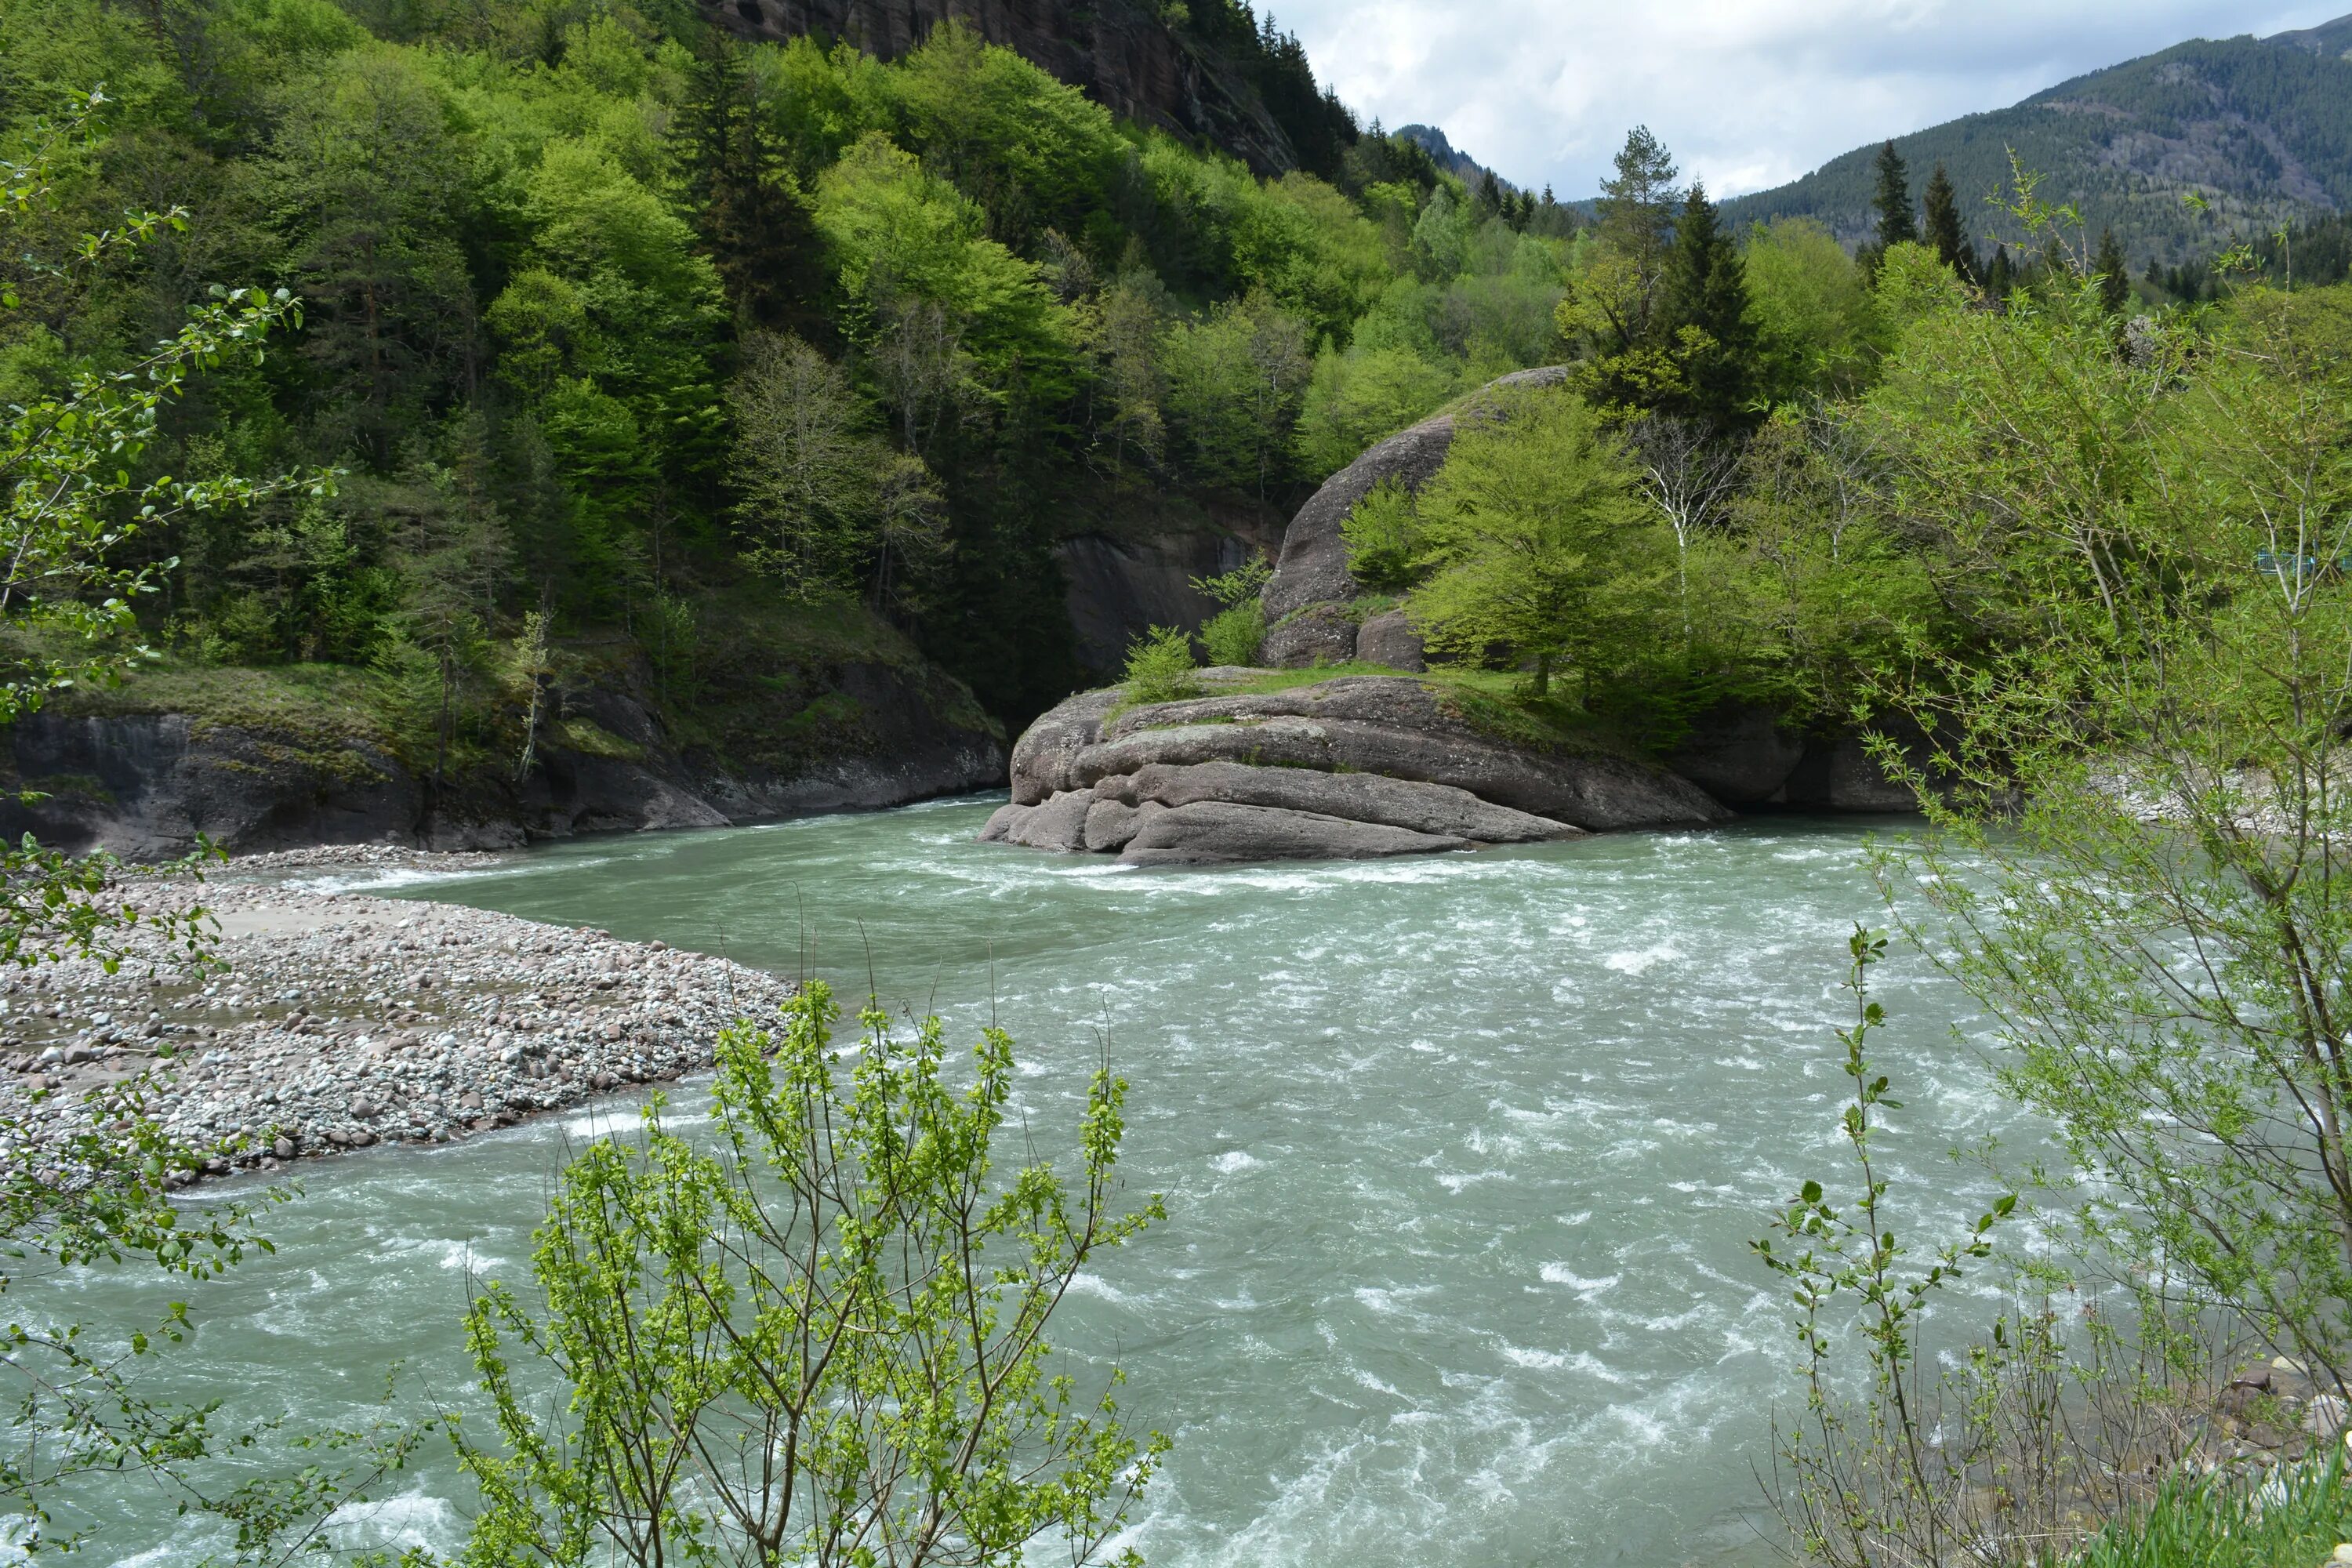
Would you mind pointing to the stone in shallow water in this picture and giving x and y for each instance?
(1212, 833)
(1060, 824)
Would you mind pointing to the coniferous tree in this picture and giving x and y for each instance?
(1943, 228)
(751, 219)
(2114, 274)
(2000, 276)
(1491, 199)
(1896, 222)
(1708, 319)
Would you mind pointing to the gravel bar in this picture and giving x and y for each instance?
(335, 1021)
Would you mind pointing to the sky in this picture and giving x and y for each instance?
(1748, 94)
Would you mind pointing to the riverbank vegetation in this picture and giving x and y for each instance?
(610, 328)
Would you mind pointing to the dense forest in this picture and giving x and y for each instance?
(677, 345)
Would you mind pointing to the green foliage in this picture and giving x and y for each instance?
(2142, 769)
(1385, 539)
(1235, 379)
(1356, 399)
(1537, 548)
(1159, 667)
(824, 1342)
(1815, 325)
(1234, 634)
(2294, 1514)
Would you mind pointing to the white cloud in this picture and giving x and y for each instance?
(1748, 93)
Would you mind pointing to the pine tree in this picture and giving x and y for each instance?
(2000, 278)
(1491, 200)
(1706, 320)
(1896, 222)
(2114, 274)
(754, 222)
(1943, 226)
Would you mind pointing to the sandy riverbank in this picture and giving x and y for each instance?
(338, 1020)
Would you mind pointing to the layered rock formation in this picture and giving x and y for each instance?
(1353, 767)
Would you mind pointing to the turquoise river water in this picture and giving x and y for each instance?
(1462, 1157)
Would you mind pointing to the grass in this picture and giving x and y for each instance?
(327, 701)
(2293, 1518)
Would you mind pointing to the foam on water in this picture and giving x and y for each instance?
(1461, 1156)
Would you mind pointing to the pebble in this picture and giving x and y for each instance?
(336, 1020)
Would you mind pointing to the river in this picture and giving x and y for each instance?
(1461, 1156)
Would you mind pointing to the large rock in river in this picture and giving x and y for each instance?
(1439, 810)
(1397, 728)
(1211, 833)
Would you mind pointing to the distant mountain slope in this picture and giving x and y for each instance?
(1431, 141)
(2261, 127)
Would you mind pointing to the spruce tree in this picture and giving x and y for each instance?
(2002, 276)
(1943, 226)
(2114, 274)
(1491, 200)
(1896, 222)
(1707, 290)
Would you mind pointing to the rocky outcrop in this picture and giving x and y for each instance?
(1388, 638)
(145, 785)
(1360, 765)
(1748, 756)
(1741, 754)
(1312, 577)
(1439, 810)
(1046, 757)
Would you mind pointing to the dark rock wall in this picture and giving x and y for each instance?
(1118, 50)
(1118, 588)
(144, 785)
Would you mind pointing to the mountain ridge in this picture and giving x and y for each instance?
(2259, 130)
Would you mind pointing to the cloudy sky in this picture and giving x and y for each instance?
(1747, 93)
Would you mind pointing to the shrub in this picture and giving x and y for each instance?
(1159, 667)
(1234, 636)
(820, 1336)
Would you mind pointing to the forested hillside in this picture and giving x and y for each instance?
(707, 364)
(2256, 130)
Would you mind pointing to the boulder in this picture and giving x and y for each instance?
(1110, 824)
(1389, 639)
(1042, 757)
(1060, 824)
(1313, 567)
(1740, 754)
(1392, 700)
(1597, 792)
(1213, 833)
(1324, 634)
(1002, 821)
(1439, 810)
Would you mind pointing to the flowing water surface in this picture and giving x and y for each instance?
(1461, 1156)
